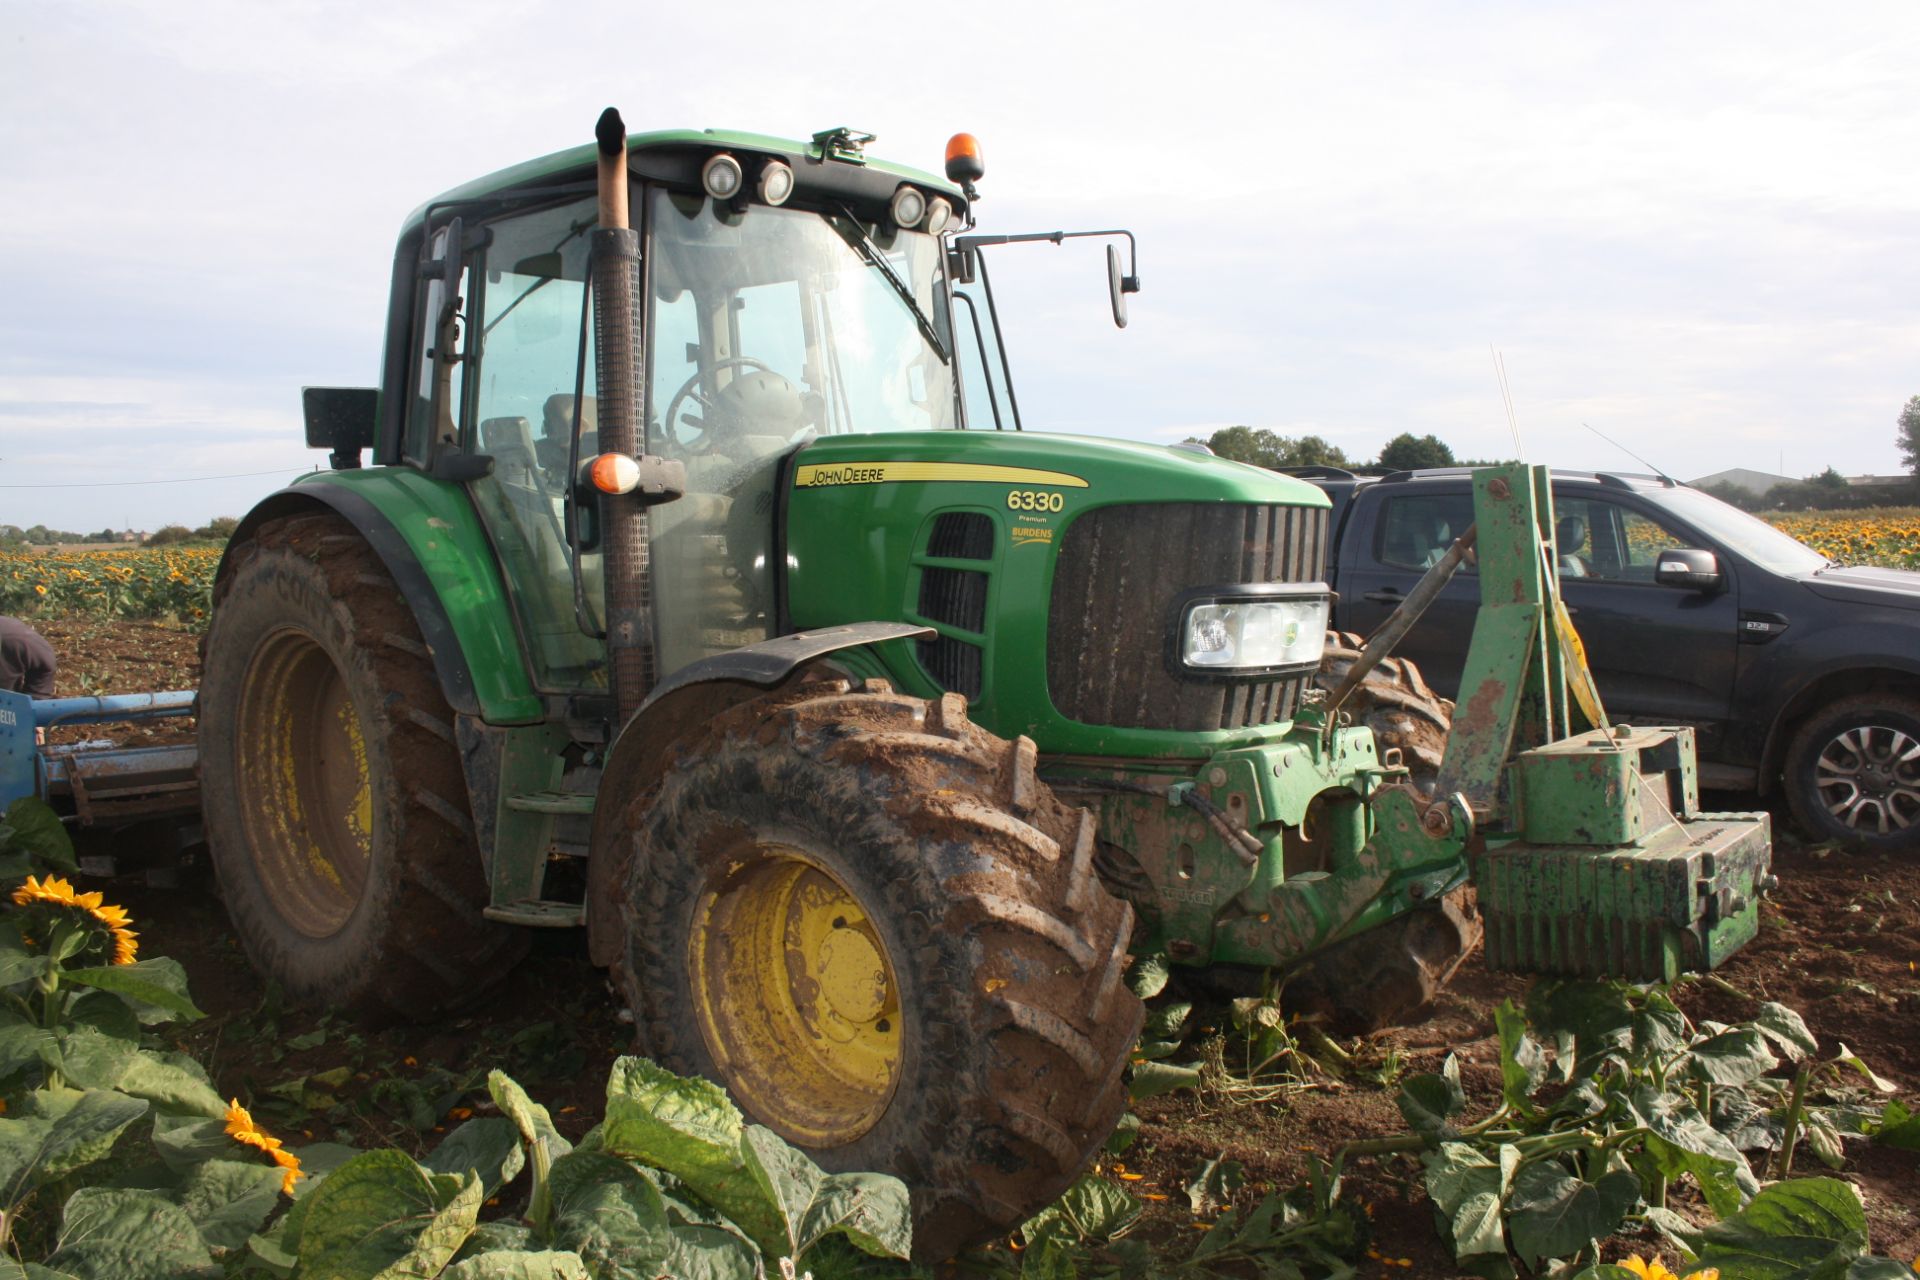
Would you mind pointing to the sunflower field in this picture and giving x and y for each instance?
(171, 583)
(1884, 536)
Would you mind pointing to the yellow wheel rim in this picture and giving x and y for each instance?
(795, 995)
(307, 801)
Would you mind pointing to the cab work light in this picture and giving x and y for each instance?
(721, 176)
(776, 182)
(908, 207)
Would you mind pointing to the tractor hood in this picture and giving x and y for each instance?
(1091, 471)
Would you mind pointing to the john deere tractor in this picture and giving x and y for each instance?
(703, 591)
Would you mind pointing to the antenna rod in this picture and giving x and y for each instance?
(1630, 453)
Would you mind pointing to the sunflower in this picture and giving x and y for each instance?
(57, 892)
(1656, 1270)
(242, 1129)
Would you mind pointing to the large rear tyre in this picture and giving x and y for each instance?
(871, 922)
(1395, 702)
(335, 806)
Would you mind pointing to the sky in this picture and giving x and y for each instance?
(1695, 228)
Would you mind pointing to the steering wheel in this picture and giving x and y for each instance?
(687, 391)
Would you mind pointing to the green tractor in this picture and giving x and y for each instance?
(702, 591)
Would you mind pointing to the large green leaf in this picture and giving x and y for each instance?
(528, 1116)
(1794, 1230)
(32, 827)
(870, 1209)
(545, 1265)
(1092, 1209)
(1686, 1143)
(691, 1130)
(1788, 1030)
(173, 1082)
(1151, 1079)
(113, 1234)
(364, 1218)
(69, 1133)
(228, 1200)
(1148, 976)
(1898, 1127)
(1736, 1056)
(1523, 1065)
(435, 1246)
(17, 964)
(23, 1043)
(1552, 1213)
(613, 1218)
(1467, 1188)
(1429, 1101)
(486, 1145)
(186, 1142)
(157, 988)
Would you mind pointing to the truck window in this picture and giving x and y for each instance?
(1607, 541)
(1417, 528)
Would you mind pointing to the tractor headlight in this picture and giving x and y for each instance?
(1253, 630)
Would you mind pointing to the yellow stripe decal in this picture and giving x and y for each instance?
(816, 475)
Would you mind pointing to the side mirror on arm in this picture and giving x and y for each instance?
(1687, 568)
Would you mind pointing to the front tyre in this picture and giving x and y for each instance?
(335, 805)
(871, 921)
(1853, 773)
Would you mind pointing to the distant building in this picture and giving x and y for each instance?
(1880, 482)
(1754, 482)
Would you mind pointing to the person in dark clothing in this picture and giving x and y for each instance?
(27, 661)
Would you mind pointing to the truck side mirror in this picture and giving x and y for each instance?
(1687, 568)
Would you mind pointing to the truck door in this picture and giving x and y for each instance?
(1660, 655)
(1411, 526)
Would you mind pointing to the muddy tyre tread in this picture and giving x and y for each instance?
(1394, 701)
(1001, 942)
(416, 946)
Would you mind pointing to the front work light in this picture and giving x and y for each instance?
(939, 214)
(776, 182)
(1253, 631)
(721, 176)
(909, 206)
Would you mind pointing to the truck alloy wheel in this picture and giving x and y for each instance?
(869, 920)
(1853, 772)
(335, 805)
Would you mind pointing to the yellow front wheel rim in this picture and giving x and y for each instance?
(796, 995)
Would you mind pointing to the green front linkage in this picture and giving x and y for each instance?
(1589, 849)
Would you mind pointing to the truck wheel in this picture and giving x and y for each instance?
(1395, 702)
(1853, 773)
(871, 921)
(1388, 976)
(335, 806)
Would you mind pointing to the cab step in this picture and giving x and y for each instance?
(539, 913)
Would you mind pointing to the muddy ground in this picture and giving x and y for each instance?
(1840, 942)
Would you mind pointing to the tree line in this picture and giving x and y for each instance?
(13, 537)
(1263, 448)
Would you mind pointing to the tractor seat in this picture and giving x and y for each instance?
(1570, 532)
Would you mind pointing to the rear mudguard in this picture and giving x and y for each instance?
(692, 696)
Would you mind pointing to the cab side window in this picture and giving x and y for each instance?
(439, 344)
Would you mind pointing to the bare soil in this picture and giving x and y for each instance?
(1840, 942)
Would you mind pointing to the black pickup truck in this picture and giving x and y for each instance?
(1796, 673)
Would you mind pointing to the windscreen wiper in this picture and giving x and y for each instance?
(854, 232)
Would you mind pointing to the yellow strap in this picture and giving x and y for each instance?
(1579, 677)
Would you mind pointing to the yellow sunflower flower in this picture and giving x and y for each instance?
(59, 893)
(242, 1129)
(1656, 1270)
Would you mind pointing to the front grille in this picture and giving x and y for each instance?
(957, 597)
(1119, 573)
(954, 664)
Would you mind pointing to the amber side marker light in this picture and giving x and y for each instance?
(615, 473)
(964, 164)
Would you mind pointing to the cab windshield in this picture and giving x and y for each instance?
(772, 323)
